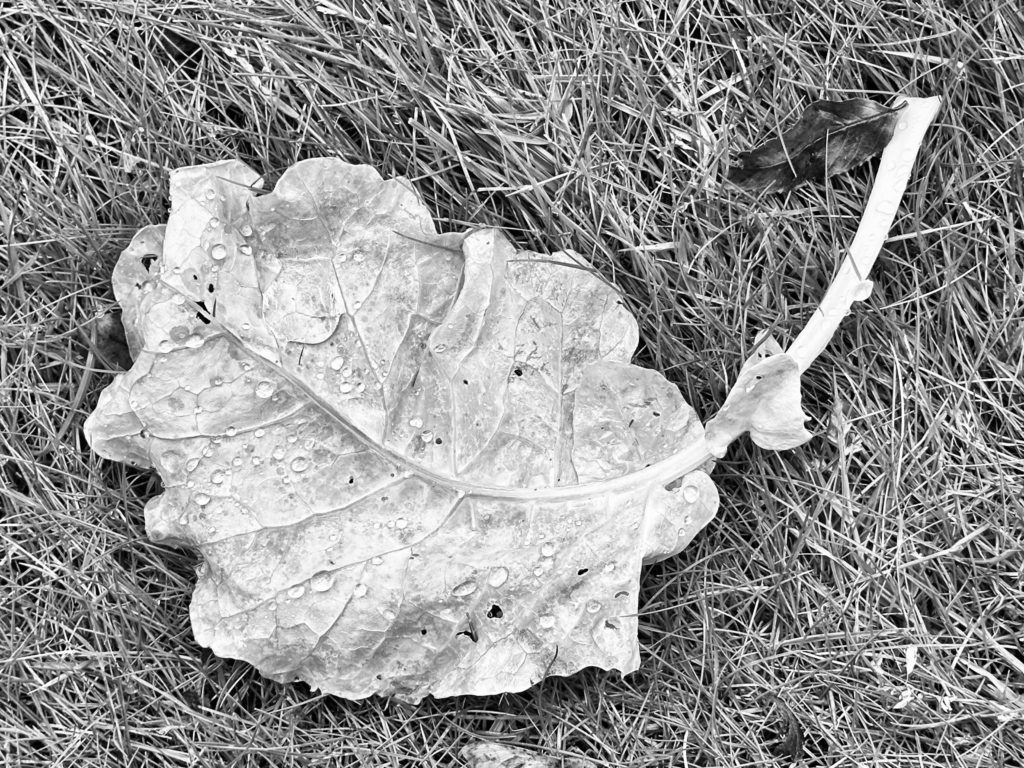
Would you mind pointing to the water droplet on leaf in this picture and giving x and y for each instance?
(321, 581)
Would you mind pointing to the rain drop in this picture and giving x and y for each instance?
(376, 560)
(401, 523)
(217, 477)
(202, 499)
(337, 363)
(359, 590)
(278, 453)
(300, 464)
(426, 435)
(172, 461)
(219, 252)
(194, 340)
(210, 194)
(264, 389)
(416, 423)
(498, 577)
(259, 432)
(246, 230)
(862, 290)
(321, 581)
(296, 592)
(465, 588)
(345, 388)
(593, 606)
(246, 250)
(547, 549)
(547, 621)
(164, 345)
(231, 431)
(690, 493)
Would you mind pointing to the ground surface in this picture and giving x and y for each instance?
(857, 602)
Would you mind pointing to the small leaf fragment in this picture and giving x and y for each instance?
(483, 754)
(831, 137)
(765, 402)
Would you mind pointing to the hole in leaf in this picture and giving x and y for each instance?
(204, 314)
(438, 441)
(621, 594)
(517, 371)
(148, 259)
(582, 571)
(351, 480)
(466, 382)
(470, 633)
(495, 612)
(210, 287)
(423, 631)
(611, 625)
(656, 413)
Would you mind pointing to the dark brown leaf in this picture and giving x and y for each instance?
(109, 342)
(830, 137)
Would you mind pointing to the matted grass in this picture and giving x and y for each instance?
(857, 602)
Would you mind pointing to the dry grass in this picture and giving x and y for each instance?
(858, 602)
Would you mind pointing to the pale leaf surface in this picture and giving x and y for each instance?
(388, 445)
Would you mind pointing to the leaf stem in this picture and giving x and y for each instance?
(850, 283)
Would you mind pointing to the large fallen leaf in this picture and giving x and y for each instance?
(417, 463)
(385, 442)
(831, 137)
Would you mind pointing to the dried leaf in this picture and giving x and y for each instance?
(412, 463)
(830, 137)
(108, 341)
